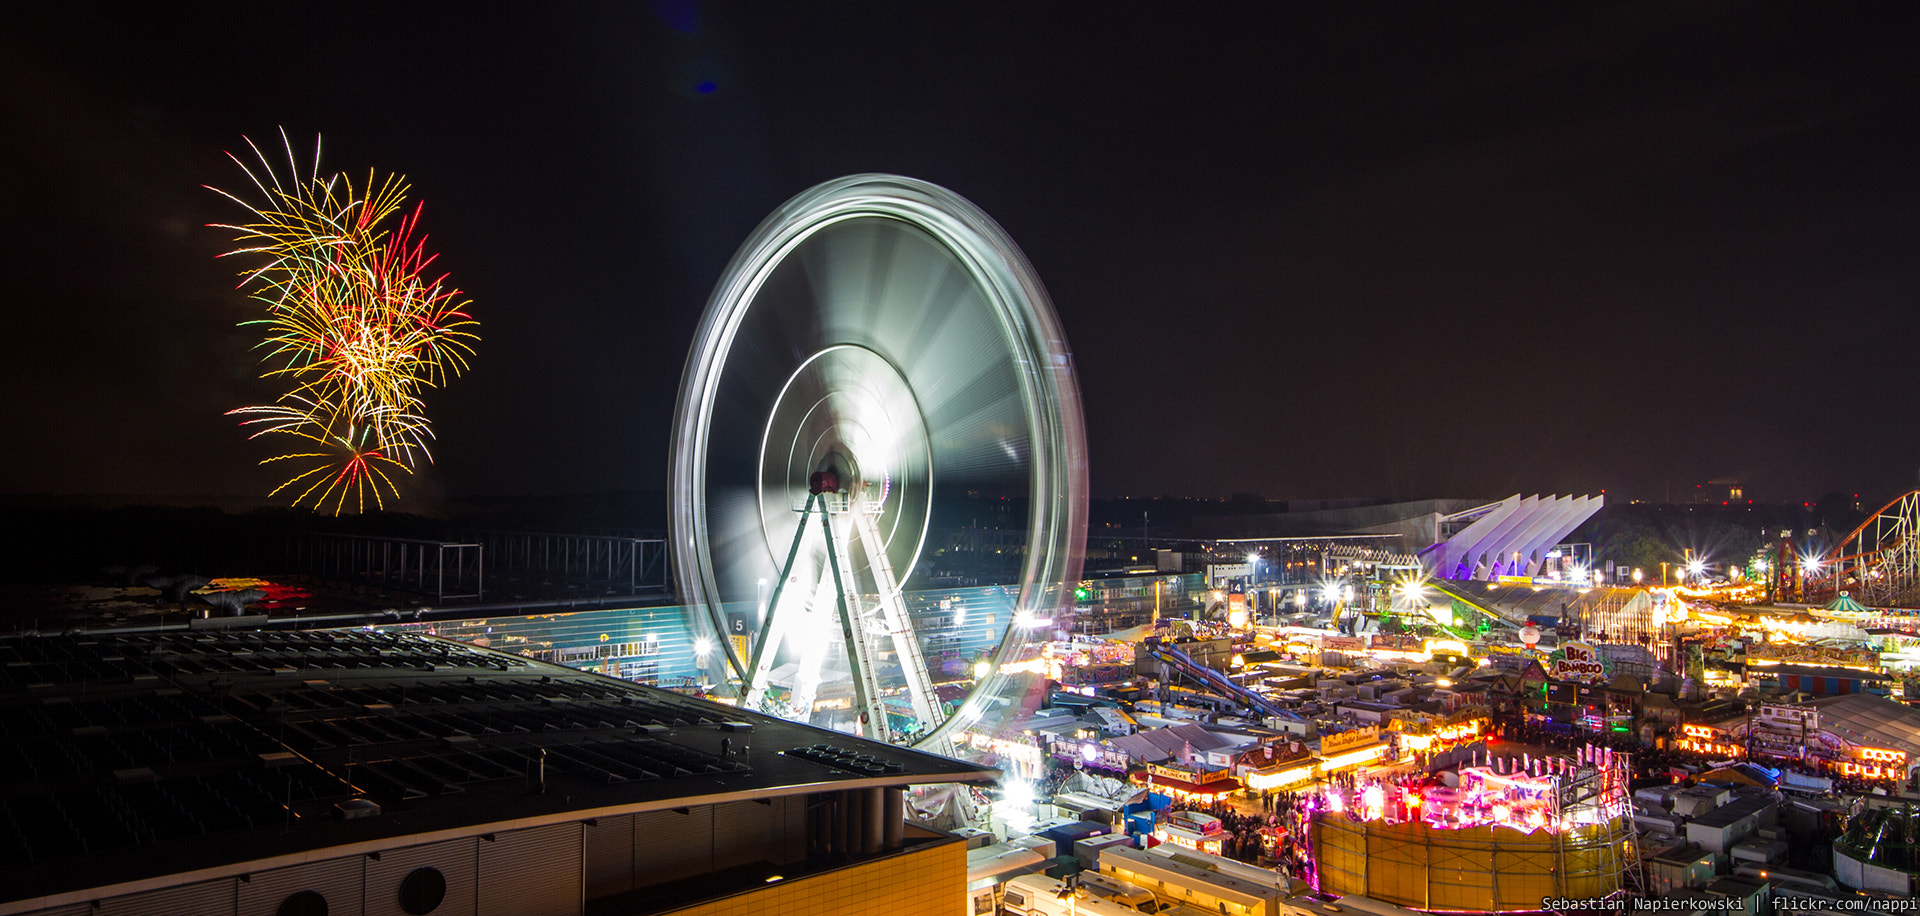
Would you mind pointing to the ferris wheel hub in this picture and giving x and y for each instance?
(846, 412)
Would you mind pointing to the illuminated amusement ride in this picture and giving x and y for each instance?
(1490, 833)
(877, 348)
(1878, 563)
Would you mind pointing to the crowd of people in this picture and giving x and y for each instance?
(1276, 837)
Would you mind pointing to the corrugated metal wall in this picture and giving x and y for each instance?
(740, 833)
(607, 850)
(457, 861)
(545, 871)
(77, 909)
(532, 873)
(208, 898)
(340, 881)
(672, 844)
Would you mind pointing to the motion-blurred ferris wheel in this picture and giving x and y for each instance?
(877, 347)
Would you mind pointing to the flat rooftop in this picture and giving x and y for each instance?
(132, 756)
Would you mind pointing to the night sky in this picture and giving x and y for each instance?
(1407, 250)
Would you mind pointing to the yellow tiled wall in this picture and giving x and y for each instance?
(931, 881)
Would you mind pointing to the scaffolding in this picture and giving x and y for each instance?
(618, 565)
(440, 569)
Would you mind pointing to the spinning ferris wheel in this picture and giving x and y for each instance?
(877, 348)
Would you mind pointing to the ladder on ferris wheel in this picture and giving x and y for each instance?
(861, 655)
(898, 625)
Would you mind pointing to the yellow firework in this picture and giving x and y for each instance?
(353, 325)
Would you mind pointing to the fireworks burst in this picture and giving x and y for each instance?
(353, 326)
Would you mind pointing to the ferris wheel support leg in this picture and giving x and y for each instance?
(773, 629)
(866, 681)
(913, 665)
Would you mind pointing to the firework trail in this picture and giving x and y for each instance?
(354, 327)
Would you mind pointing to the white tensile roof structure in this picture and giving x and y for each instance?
(1507, 538)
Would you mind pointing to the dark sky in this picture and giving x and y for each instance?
(1327, 250)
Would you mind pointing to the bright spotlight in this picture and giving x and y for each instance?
(703, 647)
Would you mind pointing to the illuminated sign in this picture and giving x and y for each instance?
(1196, 776)
(1279, 776)
(1876, 754)
(1697, 731)
(1710, 748)
(1579, 662)
(1348, 739)
(1862, 658)
(1868, 771)
(1353, 758)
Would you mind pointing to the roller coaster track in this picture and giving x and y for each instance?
(1878, 563)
